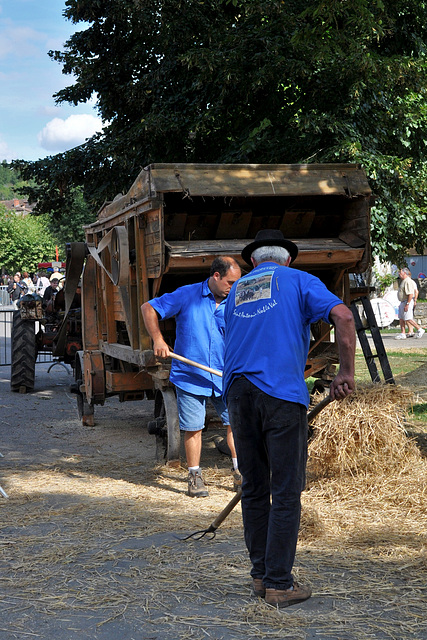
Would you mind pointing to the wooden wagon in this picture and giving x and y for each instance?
(166, 231)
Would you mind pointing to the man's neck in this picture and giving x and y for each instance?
(218, 299)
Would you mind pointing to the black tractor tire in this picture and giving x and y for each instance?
(24, 354)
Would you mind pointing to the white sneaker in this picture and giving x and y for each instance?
(401, 336)
(420, 333)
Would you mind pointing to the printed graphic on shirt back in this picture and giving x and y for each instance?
(253, 288)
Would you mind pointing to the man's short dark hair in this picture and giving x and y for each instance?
(221, 266)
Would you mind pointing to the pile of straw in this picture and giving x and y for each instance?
(365, 432)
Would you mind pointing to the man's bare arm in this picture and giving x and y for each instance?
(345, 336)
(151, 320)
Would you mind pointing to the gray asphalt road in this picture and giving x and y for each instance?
(391, 344)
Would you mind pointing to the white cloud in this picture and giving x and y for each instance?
(50, 111)
(60, 135)
(21, 42)
(5, 152)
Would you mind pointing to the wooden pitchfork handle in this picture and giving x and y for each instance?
(310, 416)
(318, 408)
(196, 364)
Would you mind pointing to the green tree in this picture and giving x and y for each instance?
(64, 208)
(252, 81)
(70, 228)
(24, 242)
(10, 182)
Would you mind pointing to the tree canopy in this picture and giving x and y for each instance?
(262, 81)
(10, 181)
(24, 242)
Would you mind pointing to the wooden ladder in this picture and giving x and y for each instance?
(380, 354)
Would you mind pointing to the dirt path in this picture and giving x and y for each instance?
(88, 545)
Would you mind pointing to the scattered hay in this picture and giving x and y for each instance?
(312, 527)
(88, 541)
(365, 432)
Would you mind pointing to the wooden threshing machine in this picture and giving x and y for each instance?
(165, 232)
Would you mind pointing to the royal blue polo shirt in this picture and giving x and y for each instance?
(199, 336)
(268, 315)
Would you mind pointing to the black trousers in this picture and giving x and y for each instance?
(270, 436)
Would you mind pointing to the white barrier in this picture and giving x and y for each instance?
(4, 296)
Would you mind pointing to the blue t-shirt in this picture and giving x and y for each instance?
(199, 336)
(267, 317)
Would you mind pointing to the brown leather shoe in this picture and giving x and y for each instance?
(258, 587)
(285, 598)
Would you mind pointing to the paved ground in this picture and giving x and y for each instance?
(89, 547)
(391, 344)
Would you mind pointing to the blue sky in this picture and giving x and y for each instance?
(31, 125)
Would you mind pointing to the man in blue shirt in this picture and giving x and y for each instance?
(199, 315)
(267, 317)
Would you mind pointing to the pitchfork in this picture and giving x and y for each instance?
(197, 535)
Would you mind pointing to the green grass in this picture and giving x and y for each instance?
(401, 363)
(419, 414)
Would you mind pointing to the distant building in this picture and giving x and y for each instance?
(19, 207)
(417, 263)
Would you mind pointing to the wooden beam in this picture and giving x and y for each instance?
(119, 381)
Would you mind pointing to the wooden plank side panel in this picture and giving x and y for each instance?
(257, 180)
(133, 320)
(121, 217)
(233, 224)
(110, 305)
(141, 282)
(154, 253)
(320, 259)
(223, 247)
(119, 315)
(139, 190)
(355, 229)
(122, 381)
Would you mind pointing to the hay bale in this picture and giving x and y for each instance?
(365, 432)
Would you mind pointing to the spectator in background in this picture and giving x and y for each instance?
(28, 281)
(16, 289)
(411, 332)
(51, 291)
(407, 295)
(42, 283)
(58, 275)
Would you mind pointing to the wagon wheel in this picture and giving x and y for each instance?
(119, 254)
(166, 426)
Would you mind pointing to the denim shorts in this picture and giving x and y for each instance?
(192, 410)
